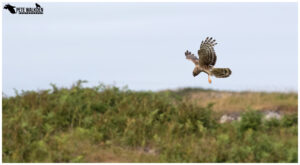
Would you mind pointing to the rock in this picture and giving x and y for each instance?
(272, 115)
(148, 150)
(226, 118)
(267, 115)
(230, 117)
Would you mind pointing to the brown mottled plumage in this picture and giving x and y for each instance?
(207, 60)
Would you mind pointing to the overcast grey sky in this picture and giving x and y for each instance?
(142, 45)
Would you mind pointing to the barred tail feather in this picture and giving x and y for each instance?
(221, 72)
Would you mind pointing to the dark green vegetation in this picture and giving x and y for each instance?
(107, 124)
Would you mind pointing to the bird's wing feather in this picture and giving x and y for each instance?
(207, 54)
(221, 72)
(191, 57)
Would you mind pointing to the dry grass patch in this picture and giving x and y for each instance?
(236, 102)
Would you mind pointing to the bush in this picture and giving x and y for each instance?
(269, 124)
(289, 120)
(87, 124)
(250, 119)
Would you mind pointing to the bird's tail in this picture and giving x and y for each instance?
(221, 72)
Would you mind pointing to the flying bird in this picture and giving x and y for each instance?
(207, 60)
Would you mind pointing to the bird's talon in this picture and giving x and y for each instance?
(209, 80)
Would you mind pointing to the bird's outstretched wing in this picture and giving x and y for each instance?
(191, 57)
(207, 55)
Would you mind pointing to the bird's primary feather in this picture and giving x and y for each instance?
(191, 57)
(207, 54)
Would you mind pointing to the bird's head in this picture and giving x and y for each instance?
(196, 72)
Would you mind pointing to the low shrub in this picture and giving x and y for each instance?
(106, 123)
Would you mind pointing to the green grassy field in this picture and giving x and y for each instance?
(108, 124)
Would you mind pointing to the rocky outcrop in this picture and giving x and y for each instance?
(267, 115)
(230, 117)
(272, 115)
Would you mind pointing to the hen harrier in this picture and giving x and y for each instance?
(207, 60)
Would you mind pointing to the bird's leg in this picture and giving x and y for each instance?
(209, 79)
